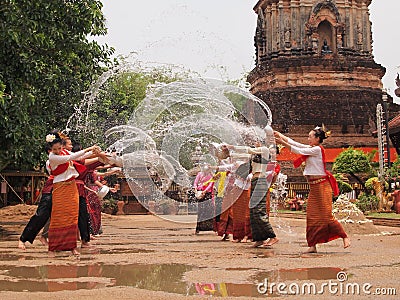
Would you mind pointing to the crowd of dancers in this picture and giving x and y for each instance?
(70, 206)
(71, 197)
(240, 210)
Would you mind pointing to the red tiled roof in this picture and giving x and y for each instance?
(332, 153)
(394, 123)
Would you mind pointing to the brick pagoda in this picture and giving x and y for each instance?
(314, 65)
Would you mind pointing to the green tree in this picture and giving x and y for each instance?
(353, 162)
(46, 62)
(115, 101)
(394, 171)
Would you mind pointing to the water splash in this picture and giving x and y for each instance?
(155, 147)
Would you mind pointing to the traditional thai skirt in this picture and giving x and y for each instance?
(205, 211)
(63, 231)
(225, 225)
(94, 210)
(235, 218)
(261, 228)
(322, 227)
(241, 215)
(218, 209)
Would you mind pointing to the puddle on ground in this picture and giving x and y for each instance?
(165, 277)
(14, 257)
(298, 274)
(122, 250)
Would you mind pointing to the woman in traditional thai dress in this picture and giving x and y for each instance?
(322, 227)
(202, 193)
(220, 179)
(262, 232)
(93, 182)
(63, 229)
(235, 217)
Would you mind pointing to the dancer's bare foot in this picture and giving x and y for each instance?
(346, 242)
(225, 237)
(235, 241)
(43, 240)
(86, 245)
(75, 252)
(312, 249)
(245, 240)
(21, 245)
(257, 244)
(271, 242)
(51, 254)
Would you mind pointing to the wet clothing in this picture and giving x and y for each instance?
(63, 230)
(235, 218)
(261, 228)
(38, 220)
(322, 227)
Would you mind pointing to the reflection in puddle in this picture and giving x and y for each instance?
(164, 277)
(225, 289)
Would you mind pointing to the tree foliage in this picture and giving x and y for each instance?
(394, 171)
(353, 162)
(46, 62)
(115, 102)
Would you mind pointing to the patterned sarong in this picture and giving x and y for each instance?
(235, 218)
(205, 211)
(225, 225)
(322, 227)
(261, 228)
(63, 229)
(241, 215)
(94, 210)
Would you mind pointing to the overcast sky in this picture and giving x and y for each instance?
(215, 37)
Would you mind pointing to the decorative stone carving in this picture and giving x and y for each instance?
(397, 91)
(260, 36)
(329, 5)
(301, 74)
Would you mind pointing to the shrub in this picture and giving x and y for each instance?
(367, 202)
(109, 206)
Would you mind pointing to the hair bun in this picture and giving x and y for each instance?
(322, 132)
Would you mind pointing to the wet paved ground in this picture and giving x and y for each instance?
(146, 257)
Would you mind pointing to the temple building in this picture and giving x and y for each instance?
(314, 65)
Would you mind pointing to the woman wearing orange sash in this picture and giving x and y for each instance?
(322, 227)
(63, 229)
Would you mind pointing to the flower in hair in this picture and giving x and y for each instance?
(50, 138)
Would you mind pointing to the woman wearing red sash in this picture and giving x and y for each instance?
(322, 227)
(63, 229)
